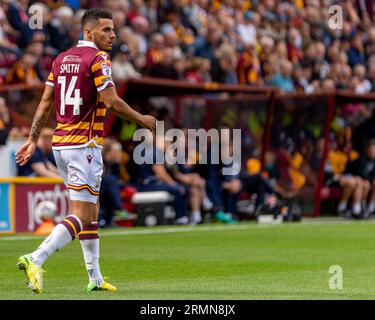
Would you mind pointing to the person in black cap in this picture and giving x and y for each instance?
(122, 67)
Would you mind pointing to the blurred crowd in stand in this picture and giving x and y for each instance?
(287, 44)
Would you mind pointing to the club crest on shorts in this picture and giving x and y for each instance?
(72, 176)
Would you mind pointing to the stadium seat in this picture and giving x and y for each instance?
(154, 208)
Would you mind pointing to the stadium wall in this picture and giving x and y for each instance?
(19, 197)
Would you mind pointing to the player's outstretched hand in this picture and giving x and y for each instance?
(25, 152)
(149, 122)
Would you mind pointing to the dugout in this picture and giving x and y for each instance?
(261, 111)
(277, 127)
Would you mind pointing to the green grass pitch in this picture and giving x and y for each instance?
(244, 261)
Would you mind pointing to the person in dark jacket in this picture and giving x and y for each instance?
(18, 18)
(364, 167)
(110, 195)
(42, 162)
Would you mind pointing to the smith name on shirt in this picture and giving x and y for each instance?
(69, 68)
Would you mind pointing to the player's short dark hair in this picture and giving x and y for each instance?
(94, 14)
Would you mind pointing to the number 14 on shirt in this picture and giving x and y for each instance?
(66, 95)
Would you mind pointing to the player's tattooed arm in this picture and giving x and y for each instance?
(42, 114)
(39, 120)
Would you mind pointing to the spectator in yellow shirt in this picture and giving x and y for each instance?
(24, 70)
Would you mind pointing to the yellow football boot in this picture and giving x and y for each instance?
(33, 273)
(105, 286)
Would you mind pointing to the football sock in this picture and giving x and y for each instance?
(357, 208)
(371, 207)
(89, 239)
(342, 206)
(65, 232)
(207, 204)
(196, 216)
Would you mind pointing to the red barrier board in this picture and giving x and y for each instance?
(27, 193)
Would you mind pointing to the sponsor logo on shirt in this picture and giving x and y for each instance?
(71, 59)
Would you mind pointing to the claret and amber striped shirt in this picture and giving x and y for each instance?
(78, 75)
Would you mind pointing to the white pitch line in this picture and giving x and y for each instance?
(151, 231)
(143, 232)
(176, 230)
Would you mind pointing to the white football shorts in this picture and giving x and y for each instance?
(81, 169)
